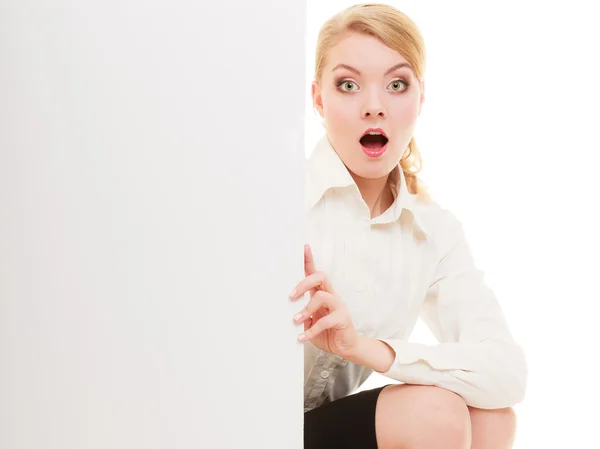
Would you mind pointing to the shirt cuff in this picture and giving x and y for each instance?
(443, 356)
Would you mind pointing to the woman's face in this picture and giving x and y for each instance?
(362, 88)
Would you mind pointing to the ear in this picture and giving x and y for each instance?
(317, 98)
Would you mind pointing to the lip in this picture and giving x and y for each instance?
(375, 153)
(376, 130)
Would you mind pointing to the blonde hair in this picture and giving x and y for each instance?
(395, 30)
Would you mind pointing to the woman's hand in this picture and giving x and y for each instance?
(327, 323)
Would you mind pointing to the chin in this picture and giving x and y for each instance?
(369, 170)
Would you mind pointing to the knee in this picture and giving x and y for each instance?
(444, 417)
(451, 425)
(427, 416)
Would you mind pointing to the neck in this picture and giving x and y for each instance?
(375, 193)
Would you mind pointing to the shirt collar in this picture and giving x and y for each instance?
(325, 170)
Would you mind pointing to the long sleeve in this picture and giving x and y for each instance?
(476, 356)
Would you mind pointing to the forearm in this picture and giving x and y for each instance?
(488, 374)
(374, 354)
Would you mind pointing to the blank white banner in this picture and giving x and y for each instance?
(151, 226)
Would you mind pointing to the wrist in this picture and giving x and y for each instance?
(360, 347)
(372, 353)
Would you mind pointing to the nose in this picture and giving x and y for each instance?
(373, 107)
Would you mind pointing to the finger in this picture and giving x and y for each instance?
(313, 282)
(327, 322)
(309, 261)
(308, 323)
(320, 299)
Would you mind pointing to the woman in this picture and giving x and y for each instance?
(381, 254)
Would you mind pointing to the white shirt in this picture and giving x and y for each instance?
(411, 261)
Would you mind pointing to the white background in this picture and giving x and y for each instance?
(509, 137)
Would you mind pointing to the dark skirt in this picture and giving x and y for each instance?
(347, 423)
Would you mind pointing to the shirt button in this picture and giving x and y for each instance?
(325, 374)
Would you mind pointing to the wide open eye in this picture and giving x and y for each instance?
(398, 85)
(344, 84)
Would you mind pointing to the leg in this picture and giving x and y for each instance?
(421, 417)
(492, 429)
(407, 417)
(347, 423)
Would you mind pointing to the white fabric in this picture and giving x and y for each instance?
(412, 260)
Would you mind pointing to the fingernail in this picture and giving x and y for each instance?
(293, 293)
(298, 316)
(302, 337)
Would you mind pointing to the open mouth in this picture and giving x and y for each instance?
(373, 142)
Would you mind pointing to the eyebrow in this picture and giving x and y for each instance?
(388, 71)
